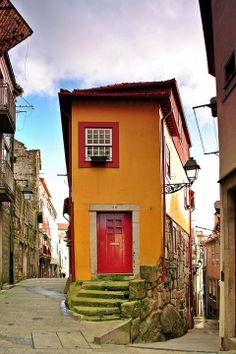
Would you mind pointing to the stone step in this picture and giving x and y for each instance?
(96, 302)
(116, 277)
(106, 285)
(81, 317)
(105, 294)
(96, 311)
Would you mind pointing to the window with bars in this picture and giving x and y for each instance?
(98, 142)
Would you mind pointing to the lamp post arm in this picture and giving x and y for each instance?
(175, 187)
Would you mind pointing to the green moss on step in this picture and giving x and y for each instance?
(97, 302)
(72, 293)
(96, 311)
(103, 294)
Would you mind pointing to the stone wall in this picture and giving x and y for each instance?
(25, 238)
(26, 171)
(159, 301)
(158, 310)
(6, 231)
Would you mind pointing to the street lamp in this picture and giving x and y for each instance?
(26, 191)
(191, 169)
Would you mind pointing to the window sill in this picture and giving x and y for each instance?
(99, 159)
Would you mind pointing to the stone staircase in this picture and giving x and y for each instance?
(100, 300)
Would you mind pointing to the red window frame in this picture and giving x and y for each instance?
(115, 143)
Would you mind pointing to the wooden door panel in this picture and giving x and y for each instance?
(114, 239)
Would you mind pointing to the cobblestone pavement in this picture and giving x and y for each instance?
(33, 319)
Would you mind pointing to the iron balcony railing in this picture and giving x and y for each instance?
(7, 106)
(6, 178)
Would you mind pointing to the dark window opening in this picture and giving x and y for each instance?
(168, 161)
(230, 68)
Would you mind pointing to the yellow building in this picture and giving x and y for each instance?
(125, 146)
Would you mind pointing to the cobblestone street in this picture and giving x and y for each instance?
(35, 320)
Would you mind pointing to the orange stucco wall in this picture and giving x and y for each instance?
(136, 181)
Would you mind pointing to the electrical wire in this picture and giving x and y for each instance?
(200, 134)
(199, 131)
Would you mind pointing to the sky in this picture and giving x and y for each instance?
(88, 43)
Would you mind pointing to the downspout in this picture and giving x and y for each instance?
(12, 207)
(163, 262)
(71, 205)
(190, 264)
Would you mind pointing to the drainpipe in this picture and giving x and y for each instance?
(163, 263)
(71, 205)
(12, 207)
(72, 249)
(190, 265)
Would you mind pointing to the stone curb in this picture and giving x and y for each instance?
(119, 335)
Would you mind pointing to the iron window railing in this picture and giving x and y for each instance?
(7, 101)
(6, 176)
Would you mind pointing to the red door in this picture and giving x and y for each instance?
(114, 236)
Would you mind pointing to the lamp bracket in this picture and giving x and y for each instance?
(175, 187)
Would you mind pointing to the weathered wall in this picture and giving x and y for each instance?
(213, 258)
(26, 168)
(224, 27)
(6, 221)
(224, 45)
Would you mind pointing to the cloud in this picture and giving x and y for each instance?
(101, 41)
(96, 42)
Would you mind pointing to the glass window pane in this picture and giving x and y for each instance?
(98, 143)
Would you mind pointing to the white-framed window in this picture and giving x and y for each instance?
(98, 142)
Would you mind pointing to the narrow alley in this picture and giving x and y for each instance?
(34, 320)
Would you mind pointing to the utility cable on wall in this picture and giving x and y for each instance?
(216, 152)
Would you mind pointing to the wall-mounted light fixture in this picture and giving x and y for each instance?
(26, 191)
(191, 168)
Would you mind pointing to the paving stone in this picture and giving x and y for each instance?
(43, 340)
(73, 339)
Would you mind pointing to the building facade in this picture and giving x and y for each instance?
(199, 265)
(213, 276)
(125, 145)
(13, 30)
(27, 167)
(219, 27)
(64, 257)
(48, 234)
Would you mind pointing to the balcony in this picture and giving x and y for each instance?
(6, 182)
(7, 109)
